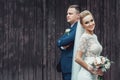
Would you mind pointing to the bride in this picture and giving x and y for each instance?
(86, 48)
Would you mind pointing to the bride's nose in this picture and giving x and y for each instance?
(90, 23)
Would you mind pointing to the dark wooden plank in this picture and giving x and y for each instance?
(29, 30)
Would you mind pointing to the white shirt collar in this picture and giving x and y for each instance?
(73, 24)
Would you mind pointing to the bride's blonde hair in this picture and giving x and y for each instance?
(84, 14)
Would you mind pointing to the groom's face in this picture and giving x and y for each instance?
(72, 15)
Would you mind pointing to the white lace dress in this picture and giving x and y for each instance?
(91, 48)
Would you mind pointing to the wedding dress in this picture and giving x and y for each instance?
(91, 48)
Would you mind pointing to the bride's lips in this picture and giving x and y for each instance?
(92, 27)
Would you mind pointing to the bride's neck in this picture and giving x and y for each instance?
(89, 32)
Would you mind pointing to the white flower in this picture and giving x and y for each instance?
(67, 31)
(103, 60)
(107, 66)
(98, 60)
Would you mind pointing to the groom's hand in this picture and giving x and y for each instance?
(66, 46)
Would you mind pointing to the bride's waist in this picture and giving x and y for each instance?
(89, 57)
(89, 60)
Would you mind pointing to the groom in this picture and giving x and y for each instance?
(66, 42)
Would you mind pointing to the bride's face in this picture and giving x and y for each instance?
(88, 23)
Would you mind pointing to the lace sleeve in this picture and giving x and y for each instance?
(83, 44)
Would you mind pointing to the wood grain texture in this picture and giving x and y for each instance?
(29, 30)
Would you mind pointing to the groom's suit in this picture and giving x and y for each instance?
(67, 54)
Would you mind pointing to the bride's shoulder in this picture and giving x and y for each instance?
(85, 35)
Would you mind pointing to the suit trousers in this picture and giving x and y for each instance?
(66, 76)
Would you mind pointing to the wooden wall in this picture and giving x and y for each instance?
(29, 30)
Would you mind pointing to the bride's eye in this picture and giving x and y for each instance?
(91, 20)
(86, 22)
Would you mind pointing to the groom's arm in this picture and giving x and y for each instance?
(66, 40)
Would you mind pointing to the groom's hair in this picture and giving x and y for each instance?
(76, 7)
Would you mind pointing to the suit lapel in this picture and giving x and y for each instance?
(74, 26)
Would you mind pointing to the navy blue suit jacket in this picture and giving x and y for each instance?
(67, 54)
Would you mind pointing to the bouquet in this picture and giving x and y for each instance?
(102, 63)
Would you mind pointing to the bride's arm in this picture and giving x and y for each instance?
(80, 61)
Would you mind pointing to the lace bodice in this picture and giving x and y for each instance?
(89, 45)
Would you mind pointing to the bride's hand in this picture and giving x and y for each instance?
(95, 71)
(99, 72)
(91, 70)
